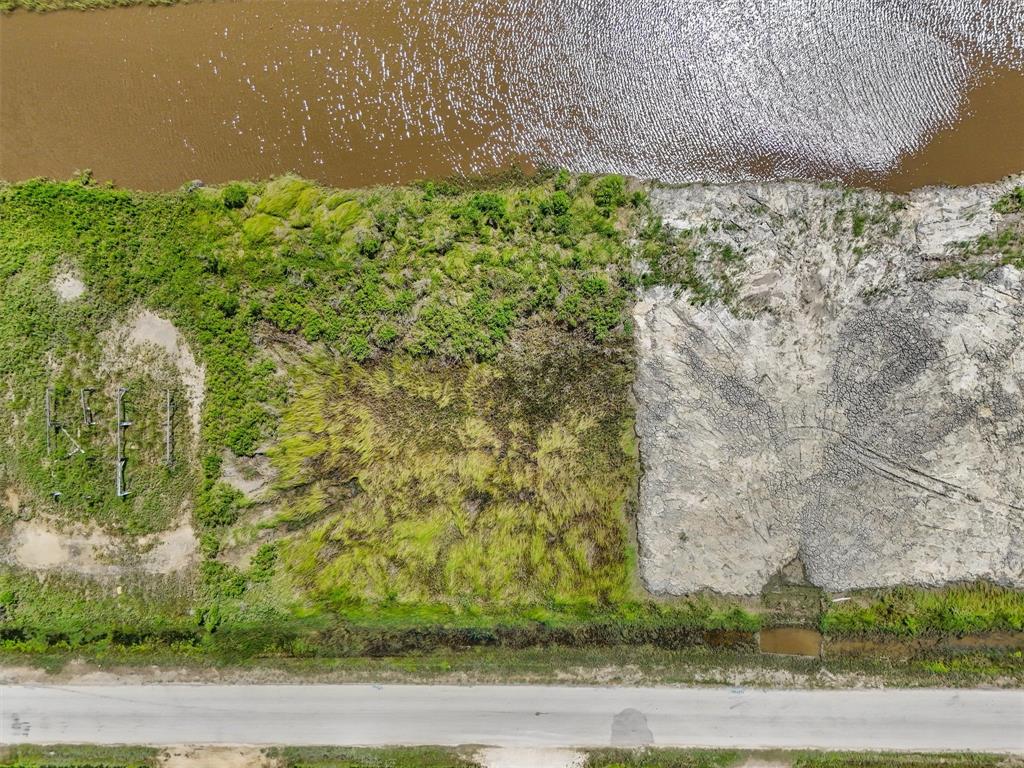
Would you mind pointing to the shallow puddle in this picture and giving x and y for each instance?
(353, 92)
(792, 641)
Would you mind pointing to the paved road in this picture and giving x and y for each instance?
(513, 716)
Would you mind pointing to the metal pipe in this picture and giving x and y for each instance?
(122, 425)
(87, 415)
(49, 419)
(168, 430)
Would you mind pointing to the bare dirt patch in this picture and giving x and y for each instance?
(68, 286)
(520, 757)
(842, 407)
(251, 475)
(170, 551)
(149, 329)
(39, 545)
(215, 757)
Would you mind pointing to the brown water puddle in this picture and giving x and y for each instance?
(791, 641)
(356, 92)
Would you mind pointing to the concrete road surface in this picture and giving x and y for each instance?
(514, 716)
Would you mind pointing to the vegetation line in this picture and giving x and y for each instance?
(42, 6)
(62, 756)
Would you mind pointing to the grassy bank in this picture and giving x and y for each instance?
(910, 612)
(6, 6)
(554, 664)
(464, 757)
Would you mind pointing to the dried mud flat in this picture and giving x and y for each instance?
(42, 545)
(845, 409)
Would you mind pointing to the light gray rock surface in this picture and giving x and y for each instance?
(844, 410)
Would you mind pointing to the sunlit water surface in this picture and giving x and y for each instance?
(886, 92)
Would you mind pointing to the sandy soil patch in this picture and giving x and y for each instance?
(514, 757)
(171, 551)
(68, 286)
(148, 328)
(860, 417)
(12, 500)
(215, 757)
(249, 474)
(37, 545)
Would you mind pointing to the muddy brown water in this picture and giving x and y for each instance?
(890, 93)
(792, 641)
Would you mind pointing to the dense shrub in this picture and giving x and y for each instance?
(234, 196)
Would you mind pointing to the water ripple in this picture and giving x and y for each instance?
(674, 88)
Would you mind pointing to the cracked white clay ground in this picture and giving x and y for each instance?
(864, 420)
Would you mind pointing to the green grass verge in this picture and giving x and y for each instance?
(556, 664)
(909, 612)
(390, 757)
(887, 759)
(77, 756)
(463, 757)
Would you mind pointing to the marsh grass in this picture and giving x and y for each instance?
(501, 483)
(906, 611)
(453, 436)
(78, 756)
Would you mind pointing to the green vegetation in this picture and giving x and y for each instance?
(499, 482)
(440, 378)
(73, 756)
(389, 757)
(463, 757)
(956, 610)
(432, 384)
(977, 258)
(663, 758)
(1011, 202)
(891, 760)
(877, 218)
(691, 261)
